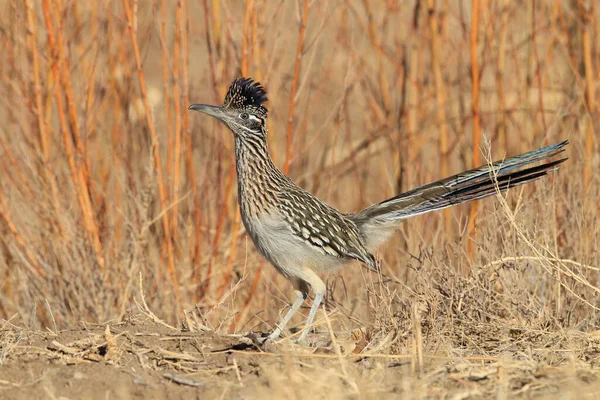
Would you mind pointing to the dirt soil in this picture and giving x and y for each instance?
(143, 360)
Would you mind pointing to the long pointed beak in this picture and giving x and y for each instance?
(214, 111)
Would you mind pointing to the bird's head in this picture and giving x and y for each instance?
(242, 111)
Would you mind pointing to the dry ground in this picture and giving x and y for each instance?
(139, 359)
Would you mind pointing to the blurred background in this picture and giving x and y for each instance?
(106, 177)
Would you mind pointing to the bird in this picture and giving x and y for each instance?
(301, 235)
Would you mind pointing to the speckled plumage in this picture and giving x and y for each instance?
(245, 94)
(300, 234)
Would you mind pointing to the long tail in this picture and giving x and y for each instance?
(466, 186)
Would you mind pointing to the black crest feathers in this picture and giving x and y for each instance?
(245, 93)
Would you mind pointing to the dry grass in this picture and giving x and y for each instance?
(106, 178)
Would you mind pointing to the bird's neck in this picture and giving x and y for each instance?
(259, 180)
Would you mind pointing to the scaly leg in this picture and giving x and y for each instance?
(318, 287)
(311, 315)
(303, 279)
(281, 325)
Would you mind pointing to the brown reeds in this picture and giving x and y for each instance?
(39, 108)
(587, 16)
(70, 131)
(500, 76)
(167, 243)
(295, 80)
(178, 112)
(476, 146)
(440, 92)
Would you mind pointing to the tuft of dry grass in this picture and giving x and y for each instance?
(106, 178)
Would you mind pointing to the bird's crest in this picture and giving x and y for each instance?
(244, 93)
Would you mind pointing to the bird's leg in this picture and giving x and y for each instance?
(311, 315)
(304, 279)
(318, 288)
(302, 294)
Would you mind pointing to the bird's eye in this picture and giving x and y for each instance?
(244, 116)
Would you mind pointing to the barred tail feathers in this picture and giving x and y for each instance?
(380, 220)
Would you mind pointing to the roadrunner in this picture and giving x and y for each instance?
(300, 234)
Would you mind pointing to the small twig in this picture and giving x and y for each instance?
(171, 355)
(146, 310)
(237, 372)
(64, 349)
(184, 381)
(534, 258)
(354, 356)
(339, 355)
(52, 317)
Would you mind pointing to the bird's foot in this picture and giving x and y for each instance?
(259, 340)
(262, 342)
